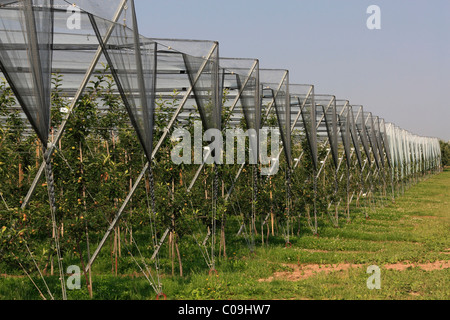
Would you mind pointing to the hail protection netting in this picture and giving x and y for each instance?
(301, 95)
(376, 126)
(282, 107)
(415, 153)
(330, 117)
(401, 152)
(361, 127)
(277, 83)
(243, 76)
(386, 143)
(417, 143)
(344, 125)
(132, 60)
(193, 66)
(372, 137)
(26, 39)
(204, 76)
(104, 9)
(6, 2)
(418, 157)
(249, 86)
(75, 48)
(309, 118)
(407, 152)
(390, 139)
(354, 134)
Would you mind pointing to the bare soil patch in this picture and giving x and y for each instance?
(427, 217)
(300, 272)
(3, 275)
(334, 251)
(438, 265)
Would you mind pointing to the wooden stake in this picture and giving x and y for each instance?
(115, 250)
(271, 209)
(37, 153)
(20, 173)
(119, 246)
(172, 252)
(179, 258)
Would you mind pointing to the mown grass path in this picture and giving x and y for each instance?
(408, 240)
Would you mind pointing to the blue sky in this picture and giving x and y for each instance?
(400, 73)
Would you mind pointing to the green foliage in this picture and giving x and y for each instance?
(445, 153)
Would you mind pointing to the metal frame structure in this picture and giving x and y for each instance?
(34, 42)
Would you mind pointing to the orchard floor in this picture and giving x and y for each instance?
(408, 240)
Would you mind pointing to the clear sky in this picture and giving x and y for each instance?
(400, 73)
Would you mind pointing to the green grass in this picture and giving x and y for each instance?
(415, 229)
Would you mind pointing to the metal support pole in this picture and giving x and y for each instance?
(161, 241)
(52, 201)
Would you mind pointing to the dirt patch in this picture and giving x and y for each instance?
(415, 294)
(335, 251)
(301, 272)
(438, 265)
(427, 217)
(315, 250)
(11, 276)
